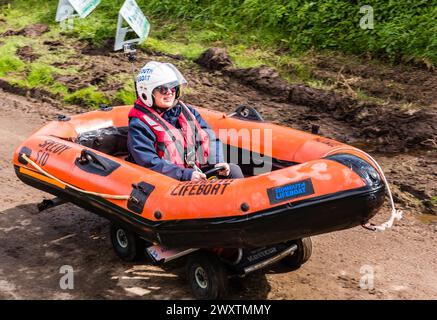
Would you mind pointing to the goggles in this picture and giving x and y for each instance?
(165, 89)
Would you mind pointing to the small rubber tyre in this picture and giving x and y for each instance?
(207, 276)
(301, 255)
(127, 245)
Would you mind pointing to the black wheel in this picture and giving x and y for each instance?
(127, 245)
(207, 276)
(301, 255)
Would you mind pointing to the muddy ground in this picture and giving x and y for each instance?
(404, 260)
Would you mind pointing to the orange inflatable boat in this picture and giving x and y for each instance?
(297, 185)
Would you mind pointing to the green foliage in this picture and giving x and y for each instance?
(18, 15)
(402, 29)
(58, 88)
(10, 63)
(189, 51)
(40, 75)
(89, 97)
(99, 26)
(255, 32)
(126, 95)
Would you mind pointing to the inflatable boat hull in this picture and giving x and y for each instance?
(312, 185)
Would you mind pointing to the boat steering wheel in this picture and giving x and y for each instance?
(212, 174)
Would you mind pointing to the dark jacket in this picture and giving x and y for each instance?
(141, 145)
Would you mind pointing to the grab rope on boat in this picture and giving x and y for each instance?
(395, 214)
(103, 195)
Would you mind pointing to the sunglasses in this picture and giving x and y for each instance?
(164, 89)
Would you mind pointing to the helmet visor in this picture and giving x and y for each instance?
(165, 88)
(180, 78)
(173, 86)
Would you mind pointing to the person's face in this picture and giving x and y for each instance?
(164, 97)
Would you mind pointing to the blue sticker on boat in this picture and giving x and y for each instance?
(290, 191)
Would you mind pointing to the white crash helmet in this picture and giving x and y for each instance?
(155, 74)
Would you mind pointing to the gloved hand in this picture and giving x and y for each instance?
(198, 176)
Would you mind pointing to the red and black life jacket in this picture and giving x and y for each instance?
(190, 144)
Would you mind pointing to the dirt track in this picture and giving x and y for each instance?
(35, 245)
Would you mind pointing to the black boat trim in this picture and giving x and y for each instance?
(361, 167)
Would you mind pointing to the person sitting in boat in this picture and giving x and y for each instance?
(168, 136)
